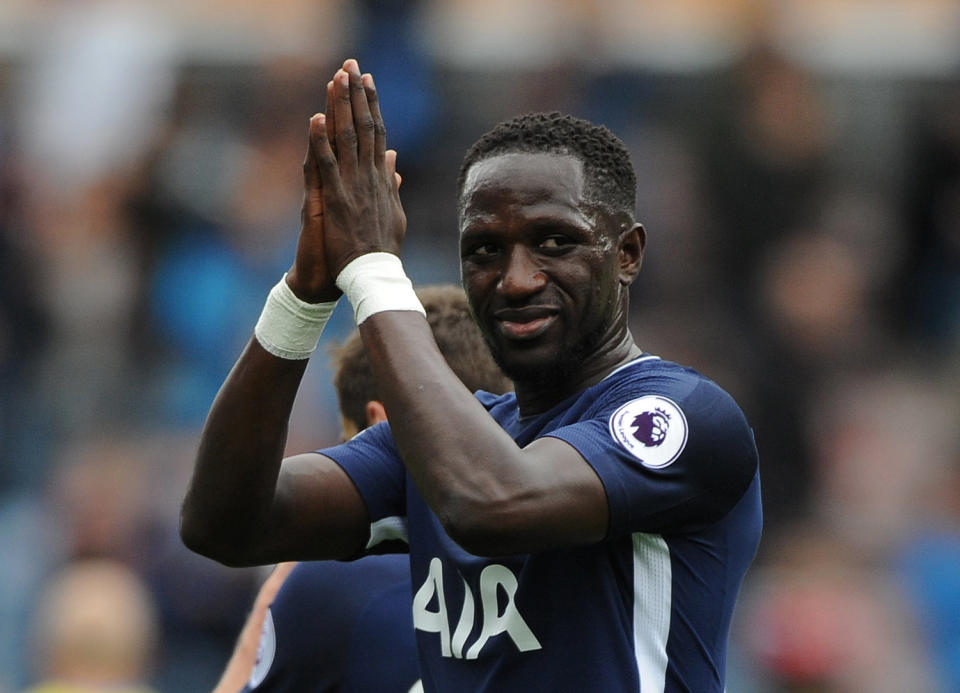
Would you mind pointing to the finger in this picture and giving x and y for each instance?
(331, 117)
(311, 176)
(362, 120)
(345, 137)
(390, 161)
(379, 129)
(327, 166)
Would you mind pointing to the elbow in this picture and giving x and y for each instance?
(480, 530)
(195, 536)
(201, 538)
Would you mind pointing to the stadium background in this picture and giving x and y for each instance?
(799, 168)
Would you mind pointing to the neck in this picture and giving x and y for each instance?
(539, 396)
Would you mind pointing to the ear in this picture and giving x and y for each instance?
(375, 412)
(630, 253)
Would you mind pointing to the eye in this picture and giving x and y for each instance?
(556, 241)
(480, 251)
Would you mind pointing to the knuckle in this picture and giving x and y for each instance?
(347, 137)
(366, 124)
(327, 160)
(379, 128)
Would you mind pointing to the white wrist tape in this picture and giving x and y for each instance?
(288, 327)
(376, 282)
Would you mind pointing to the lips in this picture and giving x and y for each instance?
(525, 323)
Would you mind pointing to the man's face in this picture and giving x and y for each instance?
(539, 264)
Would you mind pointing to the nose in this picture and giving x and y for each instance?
(521, 277)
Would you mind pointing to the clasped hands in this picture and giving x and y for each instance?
(351, 202)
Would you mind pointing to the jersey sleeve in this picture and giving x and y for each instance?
(674, 454)
(373, 463)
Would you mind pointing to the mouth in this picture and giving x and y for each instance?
(524, 323)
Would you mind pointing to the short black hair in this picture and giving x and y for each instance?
(457, 336)
(611, 181)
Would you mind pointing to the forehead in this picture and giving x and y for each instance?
(539, 180)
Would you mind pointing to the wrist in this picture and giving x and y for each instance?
(374, 283)
(311, 292)
(290, 327)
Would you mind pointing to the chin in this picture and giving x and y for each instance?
(538, 366)
(548, 364)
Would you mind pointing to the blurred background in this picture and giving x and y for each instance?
(799, 178)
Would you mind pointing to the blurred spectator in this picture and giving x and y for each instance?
(116, 496)
(818, 618)
(88, 284)
(818, 315)
(880, 441)
(94, 90)
(766, 138)
(815, 300)
(95, 631)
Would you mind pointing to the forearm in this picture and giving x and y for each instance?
(464, 464)
(232, 492)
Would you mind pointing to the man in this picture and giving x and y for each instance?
(589, 532)
(347, 626)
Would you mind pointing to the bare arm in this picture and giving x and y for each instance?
(245, 505)
(492, 497)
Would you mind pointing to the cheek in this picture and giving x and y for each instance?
(596, 292)
(588, 282)
(477, 286)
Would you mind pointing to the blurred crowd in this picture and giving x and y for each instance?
(799, 178)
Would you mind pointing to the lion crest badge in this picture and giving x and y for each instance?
(652, 428)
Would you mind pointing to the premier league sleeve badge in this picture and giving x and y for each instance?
(652, 428)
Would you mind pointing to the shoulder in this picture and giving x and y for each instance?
(651, 382)
(673, 448)
(659, 405)
(654, 373)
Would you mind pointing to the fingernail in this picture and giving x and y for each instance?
(343, 78)
(367, 80)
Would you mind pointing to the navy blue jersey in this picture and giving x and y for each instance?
(339, 627)
(647, 609)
